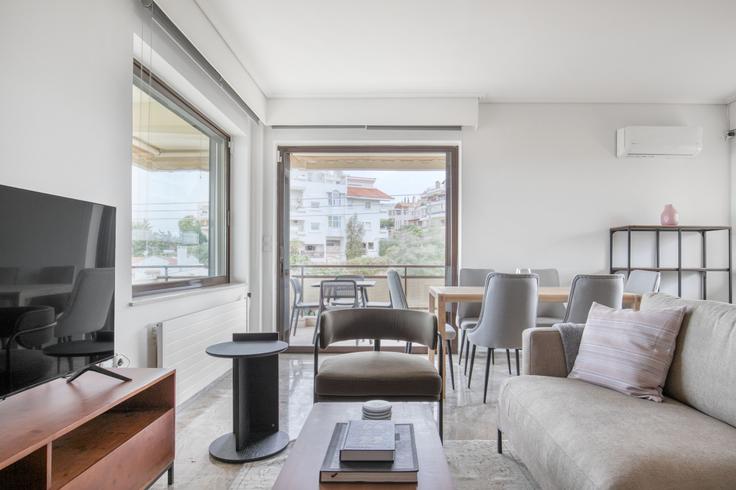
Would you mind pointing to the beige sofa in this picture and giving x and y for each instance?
(575, 435)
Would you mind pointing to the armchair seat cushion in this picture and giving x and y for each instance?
(379, 374)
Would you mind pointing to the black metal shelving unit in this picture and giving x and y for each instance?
(703, 270)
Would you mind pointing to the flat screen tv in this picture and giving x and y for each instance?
(57, 283)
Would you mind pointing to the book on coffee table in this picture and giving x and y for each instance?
(403, 469)
(369, 440)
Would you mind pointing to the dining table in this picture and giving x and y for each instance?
(361, 285)
(441, 296)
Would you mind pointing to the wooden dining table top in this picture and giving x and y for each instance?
(546, 294)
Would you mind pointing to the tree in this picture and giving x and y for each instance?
(192, 236)
(414, 245)
(354, 238)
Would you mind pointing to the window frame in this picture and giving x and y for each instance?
(143, 75)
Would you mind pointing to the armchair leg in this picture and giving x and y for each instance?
(488, 368)
(472, 361)
(508, 360)
(449, 360)
(441, 421)
(499, 442)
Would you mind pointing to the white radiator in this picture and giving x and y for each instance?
(181, 344)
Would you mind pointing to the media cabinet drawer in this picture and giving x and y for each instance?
(135, 463)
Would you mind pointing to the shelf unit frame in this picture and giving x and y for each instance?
(703, 270)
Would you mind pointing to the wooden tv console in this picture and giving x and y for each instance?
(96, 432)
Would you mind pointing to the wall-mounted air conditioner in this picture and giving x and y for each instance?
(659, 141)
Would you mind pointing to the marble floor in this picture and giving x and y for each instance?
(470, 432)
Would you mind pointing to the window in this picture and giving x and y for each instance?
(367, 204)
(314, 226)
(334, 199)
(370, 245)
(179, 191)
(333, 221)
(314, 203)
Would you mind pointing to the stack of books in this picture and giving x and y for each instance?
(375, 451)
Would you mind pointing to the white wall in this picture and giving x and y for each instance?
(541, 185)
(66, 129)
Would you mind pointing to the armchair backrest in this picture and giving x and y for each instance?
(378, 323)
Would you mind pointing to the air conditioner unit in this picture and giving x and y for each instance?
(659, 141)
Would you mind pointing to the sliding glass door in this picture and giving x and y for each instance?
(358, 212)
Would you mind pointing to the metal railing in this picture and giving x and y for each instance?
(166, 276)
(329, 271)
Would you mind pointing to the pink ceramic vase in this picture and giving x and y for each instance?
(669, 216)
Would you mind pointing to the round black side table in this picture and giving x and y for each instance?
(256, 433)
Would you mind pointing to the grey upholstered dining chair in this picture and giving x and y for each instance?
(398, 301)
(509, 308)
(468, 312)
(605, 289)
(299, 306)
(331, 289)
(641, 282)
(394, 376)
(548, 313)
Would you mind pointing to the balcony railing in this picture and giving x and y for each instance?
(416, 279)
(165, 275)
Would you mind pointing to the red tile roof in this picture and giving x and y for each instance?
(368, 193)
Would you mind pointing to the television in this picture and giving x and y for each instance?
(57, 284)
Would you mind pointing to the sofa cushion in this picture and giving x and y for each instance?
(575, 435)
(379, 374)
(703, 370)
(628, 351)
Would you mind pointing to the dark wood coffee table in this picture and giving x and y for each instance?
(301, 469)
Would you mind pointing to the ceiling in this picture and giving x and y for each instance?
(498, 50)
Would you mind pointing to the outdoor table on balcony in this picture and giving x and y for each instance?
(361, 285)
(440, 296)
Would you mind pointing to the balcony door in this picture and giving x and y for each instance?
(360, 211)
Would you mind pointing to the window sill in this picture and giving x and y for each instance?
(173, 295)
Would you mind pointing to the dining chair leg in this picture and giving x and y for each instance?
(467, 356)
(462, 344)
(493, 356)
(508, 360)
(517, 361)
(408, 348)
(449, 360)
(488, 370)
(472, 360)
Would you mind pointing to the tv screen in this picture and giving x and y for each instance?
(57, 283)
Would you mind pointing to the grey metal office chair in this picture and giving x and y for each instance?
(548, 313)
(299, 306)
(605, 289)
(87, 312)
(509, 307)
(393, 376)
(331, 289)
(468, 313)
(641, 282)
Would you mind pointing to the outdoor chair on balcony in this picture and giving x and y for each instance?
(332, 289)
(398, 302)
(299, 306)
(344, 296)
(393, 376)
